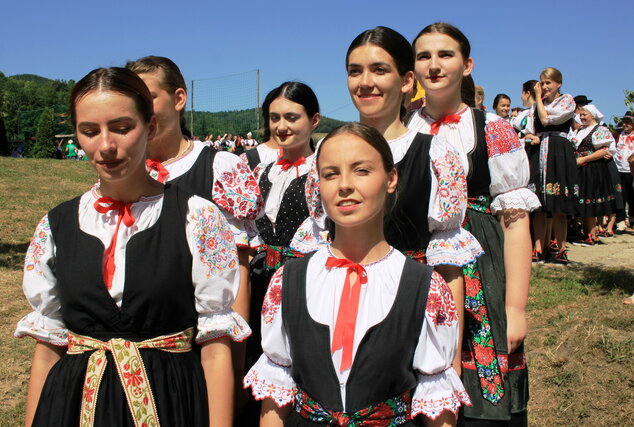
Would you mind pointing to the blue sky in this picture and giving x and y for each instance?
(307, 41)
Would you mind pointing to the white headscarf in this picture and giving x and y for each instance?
(598, 116)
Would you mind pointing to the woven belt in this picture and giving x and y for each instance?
(392, 412)
(131, 372)
(277, 255)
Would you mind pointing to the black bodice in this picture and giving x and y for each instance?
(479, 177)
(199, 179)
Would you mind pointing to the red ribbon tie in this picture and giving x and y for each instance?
(287, 164)
(157, 166)
(451, 118)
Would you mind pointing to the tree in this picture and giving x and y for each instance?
(44, 145)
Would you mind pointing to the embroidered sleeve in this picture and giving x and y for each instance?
(215, 272)
(271, 377)
(508, 167)
(439, 388)
(45, 322)
(602, 137)
(313, 196)
(235, 189)
(560, 110)
(449, 243)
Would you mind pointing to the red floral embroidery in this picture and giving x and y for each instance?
(237, 192)
(273, 298)
(440, 304)
(501, 138)
(134, 379)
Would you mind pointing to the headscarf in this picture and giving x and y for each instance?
(598, 116)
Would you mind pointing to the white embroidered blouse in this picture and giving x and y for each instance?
(234, 188)
(601, 137)
(215, 272)
(507, 161)
(439, 388)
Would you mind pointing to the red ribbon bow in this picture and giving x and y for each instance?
(287, 164)
(451, 118)
(157, 166)
(104, 205)
(346, 323)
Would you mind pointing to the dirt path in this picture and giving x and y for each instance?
(616, 252)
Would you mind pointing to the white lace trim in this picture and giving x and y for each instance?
(261, 388)
(454, 247)
(520, 198)
(42, 328)
(433, 407)
(228, 324)
(437, 393)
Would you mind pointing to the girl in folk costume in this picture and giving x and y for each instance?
(426, 220)
(554, 179)
(292, 225)
(123, 278)
(496, 285)
(597, 193)
(357, 333)
(267, 151)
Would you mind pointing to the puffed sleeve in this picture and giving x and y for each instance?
(508, 167)
(560, 110)
(439, 387)
(45, 322)
(312, 233)
(602, 138)
(271, 375)
(449, 243)
(215, 272)
(236, 192)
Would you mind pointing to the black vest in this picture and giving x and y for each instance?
(291, 214)
(158, 296)
(382, 366)
(406, 225)
(539, 127)
(479, 177)
(253, 158)
(200, 177)
(585, 145)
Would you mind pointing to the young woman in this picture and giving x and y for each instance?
(122, 278)
(357, 332)
(425, 222)
(268, 151)
(502, 106)
(496, 285)
(292, 225)
(597, 194)
(556, 183)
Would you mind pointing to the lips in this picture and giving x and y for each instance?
(434, 79)
(109, 164)
(347, 204)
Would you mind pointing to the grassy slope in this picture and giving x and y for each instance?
(580, 344)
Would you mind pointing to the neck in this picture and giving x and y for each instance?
(167, 146)
(530, 103)
(362, 244)
(389, 127)
(438, 108)
(271, 144)
(552, 97)
(132, 189)
(295, 153)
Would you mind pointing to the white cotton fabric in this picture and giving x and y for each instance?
(624, 149)
(509, 171)
(214, 289)
(601, 137)
(270, 376)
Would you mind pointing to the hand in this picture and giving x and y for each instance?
(516, 328)
(534, 139)
(607, 155)
(581, 161)
(538, 91)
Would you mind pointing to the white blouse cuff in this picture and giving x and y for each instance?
(309, 237)
(226, 324)
(42, 328)
(454, 247)
(268, 380)
(520, 198)
(437, 393)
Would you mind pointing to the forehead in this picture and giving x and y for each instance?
(153, 80)
(347, 148)
(368, 54)
(282, 105)
(101, 105)
(436, 41)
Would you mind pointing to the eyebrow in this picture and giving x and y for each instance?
(374, 64)
(117, 120)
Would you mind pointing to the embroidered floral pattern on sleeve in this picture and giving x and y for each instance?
(501, 138)
(432, 408)
(37, 248)
(440, 304)
(452, 186)
(313, 196)
(273, 297)
(262, 389)
(236, 191)
(214, 241)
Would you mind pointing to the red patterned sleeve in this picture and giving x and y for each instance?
(441, 308)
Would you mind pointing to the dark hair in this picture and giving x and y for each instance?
(467, 91)
(114, 79)
(529, 86)
(448, 30)
(394, 44)
(297, 92)
(498, 98)
(367, 133)
(171, 78)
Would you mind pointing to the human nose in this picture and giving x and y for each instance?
(345, 182)
(107, 142)
(434, 63)
(365, 79)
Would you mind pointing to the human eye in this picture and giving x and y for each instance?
(274, 117)
(89, 131)
(328, 174)
(446, 54)
(421, 56)
(354, 71)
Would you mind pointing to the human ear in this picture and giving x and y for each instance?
(407, 82)
(314, 121)
(392, 181)
(468, 67)
(180, 99)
